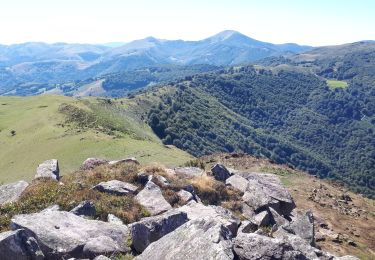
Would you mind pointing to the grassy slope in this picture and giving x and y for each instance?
(40, 137)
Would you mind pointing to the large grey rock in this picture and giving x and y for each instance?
(249, 246)
(100, 245)
(85, 208)
(189, 171)
(237, 182)
(91, 163)
(266, 190)
(220, 172)
(203, 239)
(52, 208)
(152, 199)
(196, 210)
(116, 187)
(150, 229)
(114, 220)
(12, 191)
(64, 234)
(19, 246)
(303, 227)
(48, 169)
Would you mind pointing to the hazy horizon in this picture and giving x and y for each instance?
(314, 23)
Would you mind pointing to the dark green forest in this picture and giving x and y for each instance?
(289, 117)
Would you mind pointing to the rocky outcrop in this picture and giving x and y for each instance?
(152, 199)
(48, 169)
(196, 210)
(19, 245)
(189, 171)
(64, 234)
(12, 191)
(220, 172)
(85, 208)
(150, 229)
(303, 226)
(91, 163)
(203, 239)
(116, 187)
(264, 191)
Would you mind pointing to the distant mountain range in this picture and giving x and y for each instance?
(36, 64)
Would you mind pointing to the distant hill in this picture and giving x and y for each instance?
(42, 66)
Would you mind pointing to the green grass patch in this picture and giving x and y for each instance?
(333, 84)
(88, 128)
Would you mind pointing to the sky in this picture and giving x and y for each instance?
(310, 22)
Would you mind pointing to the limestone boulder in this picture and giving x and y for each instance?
(48, 169)
(12, 191)
(203, 239)
(64, 234)
(152, 199)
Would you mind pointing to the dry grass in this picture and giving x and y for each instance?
(76, 188)
(213, 192)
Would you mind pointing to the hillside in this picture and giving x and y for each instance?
(72, 130)
(33, 68)
(288, 116)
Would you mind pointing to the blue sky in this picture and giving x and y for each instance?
(312, 22)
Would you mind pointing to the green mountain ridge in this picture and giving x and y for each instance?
(287, 116)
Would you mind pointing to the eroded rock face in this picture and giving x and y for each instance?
(116, 187)
(12, 191)
(203, 239)
(220, 172)
(19, 245)
(48, 169)
(196, 210)
(150, 229)
(91, 163)
(64, 234)
(152, 199)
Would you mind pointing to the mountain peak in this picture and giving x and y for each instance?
(224, 35)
